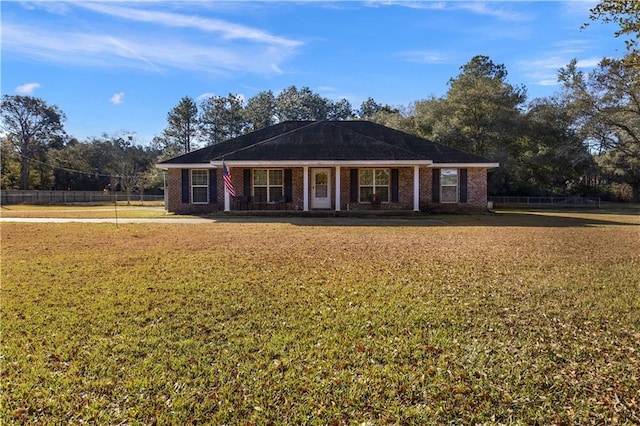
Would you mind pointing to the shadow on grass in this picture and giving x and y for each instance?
(545, 218)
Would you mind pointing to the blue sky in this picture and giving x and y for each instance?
(121, 66)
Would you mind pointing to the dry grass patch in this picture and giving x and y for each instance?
(149, 210)
(486, 321)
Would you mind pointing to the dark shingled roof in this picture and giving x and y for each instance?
(327, 141)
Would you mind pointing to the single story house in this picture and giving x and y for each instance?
(326, 165)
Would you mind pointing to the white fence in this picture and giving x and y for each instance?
(573, 201)
(8, 197)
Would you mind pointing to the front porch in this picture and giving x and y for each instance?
(325, 188)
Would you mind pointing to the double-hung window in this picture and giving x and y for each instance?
(268, 185)
(448, 185)
(199, 186)
(374, 181)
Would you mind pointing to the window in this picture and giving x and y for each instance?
(449, 185)
(374, 181)
(199, 186)
(268, 185)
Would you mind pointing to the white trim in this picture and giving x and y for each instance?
(192, 186)
(314, 199)
(373, 184)
(337, 188)
(268, 185)
(322, 163)
(326, 163)
(416, 189)
(457, 186)
(305, 191)
(187, 166)
(464, 165)
(227, 199)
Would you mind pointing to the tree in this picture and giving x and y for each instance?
(10, 164)
(617, 166)
(606, 109)
(368, 109)
(75, 167)
(260, 111)
(128, 164)
(303, 104)
(481, 114)
(551, 159)
(32, 124)
(393, 118)
(626, 13)
(222, 118)
(182, 127)
(340, 110)
(483, 111)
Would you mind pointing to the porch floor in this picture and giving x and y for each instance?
(321, 213)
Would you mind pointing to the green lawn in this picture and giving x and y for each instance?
(518, 317)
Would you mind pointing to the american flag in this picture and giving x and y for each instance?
(228, 184)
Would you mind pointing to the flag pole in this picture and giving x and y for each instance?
(229, 190)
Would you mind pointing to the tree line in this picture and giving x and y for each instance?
(219, 118)
(583, 140)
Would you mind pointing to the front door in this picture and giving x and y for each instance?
(321, 189)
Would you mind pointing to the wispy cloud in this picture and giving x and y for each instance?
(27, 88)
(227, 30)
(543, 70)
(408, 3)
(424, 56)
(205, 96)
(117, 98)
(204, 45)
(493, 9)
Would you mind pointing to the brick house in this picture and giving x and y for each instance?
(327, 165)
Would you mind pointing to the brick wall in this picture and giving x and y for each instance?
(476, 191)
(175, 204)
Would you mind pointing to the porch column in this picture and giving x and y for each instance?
(305, 188)
(227, 200)
(416, 188)
(337, 188)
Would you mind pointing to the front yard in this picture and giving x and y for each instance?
(519, 317)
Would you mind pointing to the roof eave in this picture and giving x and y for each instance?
(166, 166)
(463, 165)
(302, 163)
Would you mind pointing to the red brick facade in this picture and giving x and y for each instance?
(476, 192)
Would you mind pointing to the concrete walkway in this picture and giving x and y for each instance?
(302, 221)
(103, 220)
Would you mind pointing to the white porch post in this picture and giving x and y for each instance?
(416, 188)
(337, 188)
(305, 191)
(227, 200)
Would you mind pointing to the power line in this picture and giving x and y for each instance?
(69, 170)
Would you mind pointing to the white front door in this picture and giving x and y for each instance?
(321, 189)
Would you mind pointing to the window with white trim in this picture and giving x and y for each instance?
(448, 185)
(373, 181)
(268, 185)
(199, 186)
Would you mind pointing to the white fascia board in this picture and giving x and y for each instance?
(185, 166)
(324, 163)
(465, 165)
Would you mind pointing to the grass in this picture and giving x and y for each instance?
(514, 318)
(97, 211)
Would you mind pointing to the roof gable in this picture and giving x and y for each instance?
(326, 141)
